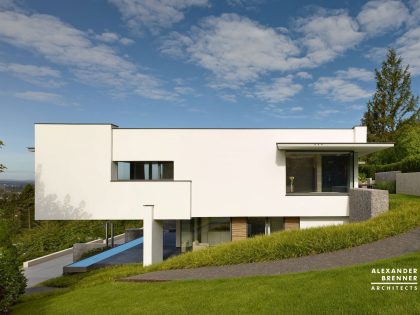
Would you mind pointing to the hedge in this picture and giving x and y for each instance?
(409, 164)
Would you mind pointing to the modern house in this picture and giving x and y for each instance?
(219, 185)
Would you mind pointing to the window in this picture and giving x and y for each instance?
(316, 172)
(145, 170)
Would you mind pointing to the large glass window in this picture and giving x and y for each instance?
(211, 231)
(145, 170)
(316, 172)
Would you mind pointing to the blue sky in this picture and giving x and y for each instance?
(193, 63)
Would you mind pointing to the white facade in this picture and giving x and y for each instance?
(217, 173)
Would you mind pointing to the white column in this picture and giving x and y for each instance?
(152, 238)
(356, 170)
(318, 173)
(178, 234)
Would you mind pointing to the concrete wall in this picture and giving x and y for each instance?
(408, 183)
(367, 203)
(386, 176)
(81, 248)
(320, 221)
(218, 173)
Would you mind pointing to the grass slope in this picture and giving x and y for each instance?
(404, 215)
(339, 291)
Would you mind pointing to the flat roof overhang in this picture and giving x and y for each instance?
(360, 148)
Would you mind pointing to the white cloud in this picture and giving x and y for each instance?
(327, 34)
(380, 16)
(326, 112)
(109, 37)
(342, 87)
(66, 45)
(279, 90)
(38, 75)
(297, 109)
(238, 50)
(356, 74)
(408, 45)
(304, 75)
(42, 97)
(377, 53)
(154, 14)
(234, 48)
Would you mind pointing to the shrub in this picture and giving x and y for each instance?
(408, 164)
(389, 185)
(12, 281)
(411, 164)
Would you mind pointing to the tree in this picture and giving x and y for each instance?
(393, 104)
(2, 167)
(12, 280)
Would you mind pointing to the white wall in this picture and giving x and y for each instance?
(320, 221)
(73, 179)
(220, 172)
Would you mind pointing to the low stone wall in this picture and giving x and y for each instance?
(81, 248)
(133, 233)
(408, 183)
(386, 176)
(367, 203)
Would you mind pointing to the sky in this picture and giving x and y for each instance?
(193, 63)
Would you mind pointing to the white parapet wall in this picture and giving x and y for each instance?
(408, 183)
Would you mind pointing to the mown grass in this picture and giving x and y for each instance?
(404, 215)
(338, 291)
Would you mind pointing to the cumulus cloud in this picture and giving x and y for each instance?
(326, 112)
(342, 87)
(109, 37)
(234, 48)
(66, 45)
(154, 15)
(238, 50)
(278, 90)
(380, 16)
(38, 75)
(296, 109)
(408, 45)
(304, 75)
(355, 74)
(327, 34)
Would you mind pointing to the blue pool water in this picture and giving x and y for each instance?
(106, 254)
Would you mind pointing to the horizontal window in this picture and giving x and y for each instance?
(145, 170)
(316, 172)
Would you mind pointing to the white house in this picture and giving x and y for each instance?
(218, 184)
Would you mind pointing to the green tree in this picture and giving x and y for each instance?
(26, 206)
(12, 280)
(393, 104)
(2, 167)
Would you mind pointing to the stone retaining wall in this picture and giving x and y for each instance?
(408, 183)
(386, 176)
(367, 203)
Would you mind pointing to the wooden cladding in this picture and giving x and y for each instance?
(239, 229)
(291, 223)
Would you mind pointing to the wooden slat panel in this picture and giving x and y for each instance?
(292, 223)
(239, 229)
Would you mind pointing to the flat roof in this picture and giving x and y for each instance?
(361, 148)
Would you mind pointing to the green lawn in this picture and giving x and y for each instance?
(404, 215)
(339, 291)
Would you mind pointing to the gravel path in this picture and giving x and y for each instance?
(390, 247)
